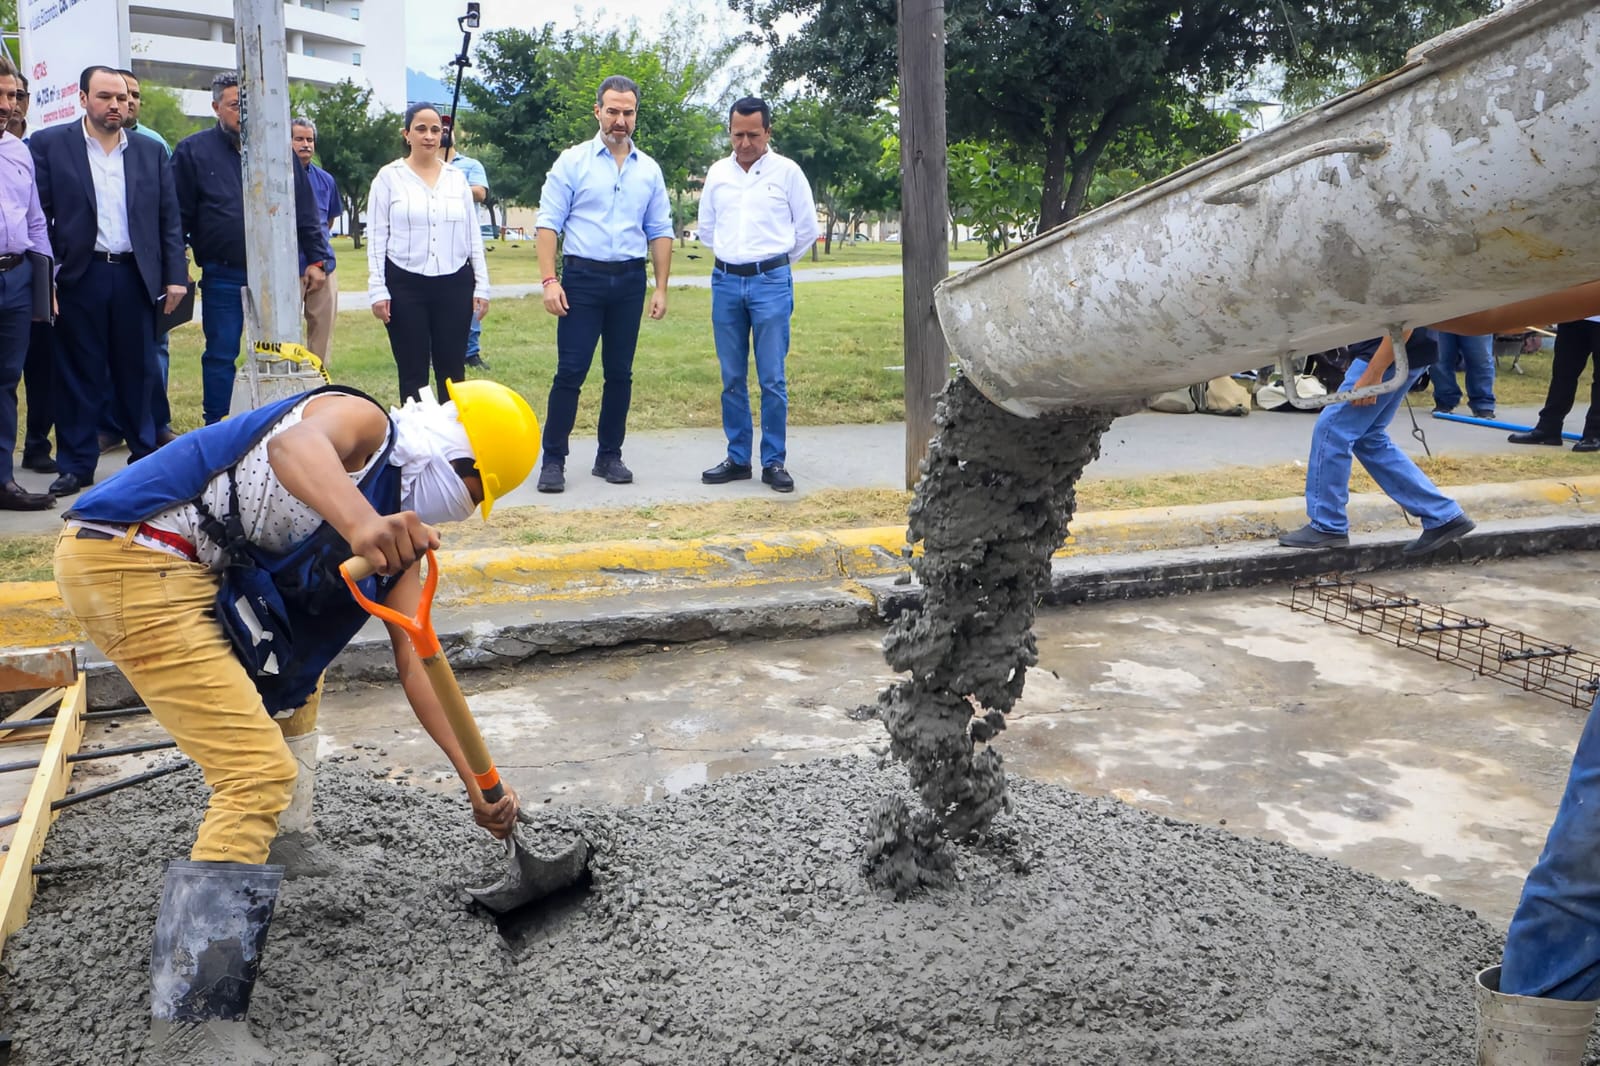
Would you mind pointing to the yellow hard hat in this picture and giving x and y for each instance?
(503, 432)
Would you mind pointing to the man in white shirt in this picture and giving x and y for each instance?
(758, 218)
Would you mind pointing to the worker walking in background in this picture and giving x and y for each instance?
(282, 495)
(1359, 429)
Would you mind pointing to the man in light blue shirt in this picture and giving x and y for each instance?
(478, 182)
(609, 201)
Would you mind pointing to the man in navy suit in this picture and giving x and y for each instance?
(115, 267)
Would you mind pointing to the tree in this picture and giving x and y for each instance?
(160, 110)
(513, 98)
(1062, 80)
(353, 142)
(837, 151)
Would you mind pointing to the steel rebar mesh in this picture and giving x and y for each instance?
(1556, 671)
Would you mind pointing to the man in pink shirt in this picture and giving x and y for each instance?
(22, 230)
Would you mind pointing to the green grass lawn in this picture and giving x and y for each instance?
(516, 262)
(844, 335)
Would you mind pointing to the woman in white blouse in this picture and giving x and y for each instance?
(426, 275)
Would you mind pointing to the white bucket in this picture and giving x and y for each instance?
(1528, 1030)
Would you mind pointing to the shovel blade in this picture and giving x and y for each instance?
(531, 877)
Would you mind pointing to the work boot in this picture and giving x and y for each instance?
(1529, 1030)
(1437, 537)
(204, 960)
(297, 847)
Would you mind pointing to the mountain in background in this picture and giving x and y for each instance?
(422, 88)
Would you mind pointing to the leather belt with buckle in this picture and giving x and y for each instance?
(750, 270)
(111, 257)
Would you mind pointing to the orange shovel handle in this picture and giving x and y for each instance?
(420, 628)
(435, 666)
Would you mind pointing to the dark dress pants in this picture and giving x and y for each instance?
(38, 385)
(106, 333)
(1575, 343)
(604, 306)
(16, 314)
(428, 320)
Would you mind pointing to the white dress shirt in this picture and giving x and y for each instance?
(426, 231)
(750, 216)
(110, 193)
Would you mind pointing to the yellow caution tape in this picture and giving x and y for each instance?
(290, 352)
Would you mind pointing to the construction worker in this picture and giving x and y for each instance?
(208, 573)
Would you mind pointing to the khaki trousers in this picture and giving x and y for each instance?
(150, 613)
(322, 307)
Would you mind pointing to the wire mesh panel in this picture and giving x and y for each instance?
(1557, 671)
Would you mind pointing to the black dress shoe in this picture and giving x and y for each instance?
(1535, 437)
(14, 497)
(1587, 444)
(553, 476)
(612, 470)
(40, 464)
(69, 484)
(775, 475)
(726, 471)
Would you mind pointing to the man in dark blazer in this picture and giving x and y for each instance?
(115, 268)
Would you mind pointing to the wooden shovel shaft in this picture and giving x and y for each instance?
(443, 681)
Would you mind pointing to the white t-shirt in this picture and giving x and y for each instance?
(274, 518)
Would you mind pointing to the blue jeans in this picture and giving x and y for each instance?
(1475, 355)
(602, 308)
(1345, 431)
(473, 333)
(1553, 944)
(754, 309)
(16, 313)
(222, 318)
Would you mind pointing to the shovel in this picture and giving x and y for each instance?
(529, 877)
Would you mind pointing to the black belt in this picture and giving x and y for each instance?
(750, 270)
(606, 266)
(10, 262)
(111, 257)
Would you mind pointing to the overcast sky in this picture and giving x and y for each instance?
(432, 38)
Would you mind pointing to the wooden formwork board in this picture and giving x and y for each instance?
(17, 881)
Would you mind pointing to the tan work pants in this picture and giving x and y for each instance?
(322, 307)
(149, 612)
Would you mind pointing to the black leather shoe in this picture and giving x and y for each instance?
(726, 471)
(1587, 444)
(1535, 437)
(613, 471)
(1309, 536)
(775, 475)
(40, 464)
(14, 497)
(553, 477)
(1434, 539)
(69, 484)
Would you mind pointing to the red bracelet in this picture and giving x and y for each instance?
(548, 280)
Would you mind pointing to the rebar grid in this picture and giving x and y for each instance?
(1556, 671)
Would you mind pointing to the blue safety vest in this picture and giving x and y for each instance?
(287, 615)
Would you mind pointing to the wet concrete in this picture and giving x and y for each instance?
(990, 509)
(730, 924)
(1220, 714)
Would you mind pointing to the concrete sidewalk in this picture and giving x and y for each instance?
(667, 463)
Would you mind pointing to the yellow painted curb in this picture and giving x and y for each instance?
(32, 615)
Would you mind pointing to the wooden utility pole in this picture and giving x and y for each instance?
(272, 300)
(924, 199)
